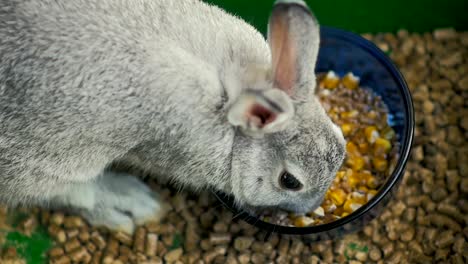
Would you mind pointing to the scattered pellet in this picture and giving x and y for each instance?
(62, 260)
(124, 238)
(90, 247)
(73, 222)
(84, 235)
(96, 257)
(71, 233)
(151, 244)
(444, 221)
(108, 260)
(442, 254)
(112, 248)
(220, 238)
(444, 239)
(57, 219)
(173, 255)
(244, 258)
(72, 245)
(375, 254)
(80, 254)
(56, 252)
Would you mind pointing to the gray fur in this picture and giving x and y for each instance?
(85, 83)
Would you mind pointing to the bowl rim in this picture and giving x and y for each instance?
(394, 178)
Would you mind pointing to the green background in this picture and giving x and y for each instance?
(364, 16)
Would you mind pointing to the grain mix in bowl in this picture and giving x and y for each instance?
(372, 150)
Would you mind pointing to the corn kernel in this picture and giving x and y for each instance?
(366, 175)
(338, 196)
(352, 149)
(338, 211)
(364, 148)
(330, 81)
(351, 206)
(344, 214)
(357, 197)
(372, 182)
(353, 180)
(303, 221)
(329, 208)
(381, 146)
(350, 81)
(363, 189)
(380, 164)
(371, 194)
(320, 211)
(349, 114)
(355, 206)
(340, 174)
(371, 134)
(347, 128)
(356, 163)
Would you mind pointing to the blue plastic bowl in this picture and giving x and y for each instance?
(343, 52)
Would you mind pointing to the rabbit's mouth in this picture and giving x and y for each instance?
(297, 208)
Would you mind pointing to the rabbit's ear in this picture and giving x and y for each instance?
(260, 112)
(293, 35)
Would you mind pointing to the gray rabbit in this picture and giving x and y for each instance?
(178, 88)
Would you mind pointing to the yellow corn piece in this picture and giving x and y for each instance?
(347, 128)
(340, 174)
(371, 194)
(364, 148)
(352, 149)
(382, 146)
(344, 214)
(333, 113)
(319, 211)
(371, 182)
(357, 197)
(380, 164)
(338, 211)
(366, 175)
(349, 114)
(371, 134)
(353, 180)
(363, 189)
(330, 81)
(303, 221)
(338, 196)
(351, 205)
(350, 81)
(329, 207)
(356, 163)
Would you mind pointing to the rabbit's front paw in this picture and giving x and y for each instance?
(122, 202)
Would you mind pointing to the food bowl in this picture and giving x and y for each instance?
(342, 52)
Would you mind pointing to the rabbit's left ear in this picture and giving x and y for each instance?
(293, 35)
(261, 112)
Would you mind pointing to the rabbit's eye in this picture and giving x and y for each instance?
(289, 182)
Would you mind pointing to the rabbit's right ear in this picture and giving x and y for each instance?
(293, 35)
